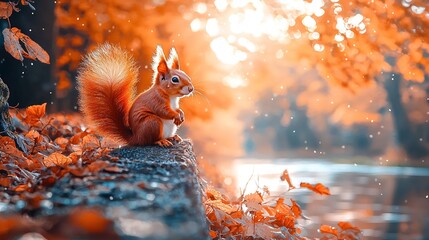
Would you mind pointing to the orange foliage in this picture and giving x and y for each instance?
(55, 144)
(13, 36)
(259, 216)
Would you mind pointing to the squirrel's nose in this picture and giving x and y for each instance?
(190, 89)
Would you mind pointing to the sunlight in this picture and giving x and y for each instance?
(234, 81)
(242, 25)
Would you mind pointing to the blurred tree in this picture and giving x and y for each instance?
(358, 42)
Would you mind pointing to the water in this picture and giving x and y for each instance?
(386, 202)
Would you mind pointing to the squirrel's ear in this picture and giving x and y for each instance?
(173, 59)
(159, 63)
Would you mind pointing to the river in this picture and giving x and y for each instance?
(386, 202)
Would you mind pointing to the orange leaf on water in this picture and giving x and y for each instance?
(328, 229)
(317, 188)
(285, 177)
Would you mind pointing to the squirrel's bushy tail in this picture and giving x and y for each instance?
(106, 84)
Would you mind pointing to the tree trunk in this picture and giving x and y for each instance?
(6, 127)
(405, 133)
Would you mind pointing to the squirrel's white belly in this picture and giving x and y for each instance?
(168, 128)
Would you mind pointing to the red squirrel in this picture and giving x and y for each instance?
(107, 80)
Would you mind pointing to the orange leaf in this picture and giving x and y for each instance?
(97, 166)
(285, 177)
(34, 49)
(296, 209)
(213, 234)
(227, 208)
(328, 229)
(34, 114)
(347, 226)
(90, 142)
(21, 188)
(11, 44)
(56, 159)
(253, 201)
(6, 10)
(89, 220)
(318, 188)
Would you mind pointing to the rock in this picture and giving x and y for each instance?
(151, 193)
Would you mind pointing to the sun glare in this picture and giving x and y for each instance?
(238, 28)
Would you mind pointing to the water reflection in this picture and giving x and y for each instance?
(386, 202)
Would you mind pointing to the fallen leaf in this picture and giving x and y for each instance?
(114, 169)
(57, 159)
(89, 220)
(318, 188)
(34, 113)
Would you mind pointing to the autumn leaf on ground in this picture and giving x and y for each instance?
(318, 188)
(285, 177)
(56, 159)
(34, 113)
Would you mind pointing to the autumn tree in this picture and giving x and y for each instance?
(352, 44)
(359, 42)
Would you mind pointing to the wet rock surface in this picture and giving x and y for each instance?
(154, 193)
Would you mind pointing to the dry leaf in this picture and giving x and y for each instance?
(347, 226)
(35, 51)
(11, 44)
(285, 177)
(57, 159)
(220, 205)
(253, 201)
(318, 188)
(6, 10)
(34, 113)
(328, 229)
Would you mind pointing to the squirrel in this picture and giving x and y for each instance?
(107, 81)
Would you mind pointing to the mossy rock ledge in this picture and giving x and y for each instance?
(158, 196)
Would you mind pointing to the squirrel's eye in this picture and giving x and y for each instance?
(175, 79)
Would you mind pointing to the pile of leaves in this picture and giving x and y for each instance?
(259, 216)
(55, 145)
(60, 144)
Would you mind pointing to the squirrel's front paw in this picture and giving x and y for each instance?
(180, 117)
